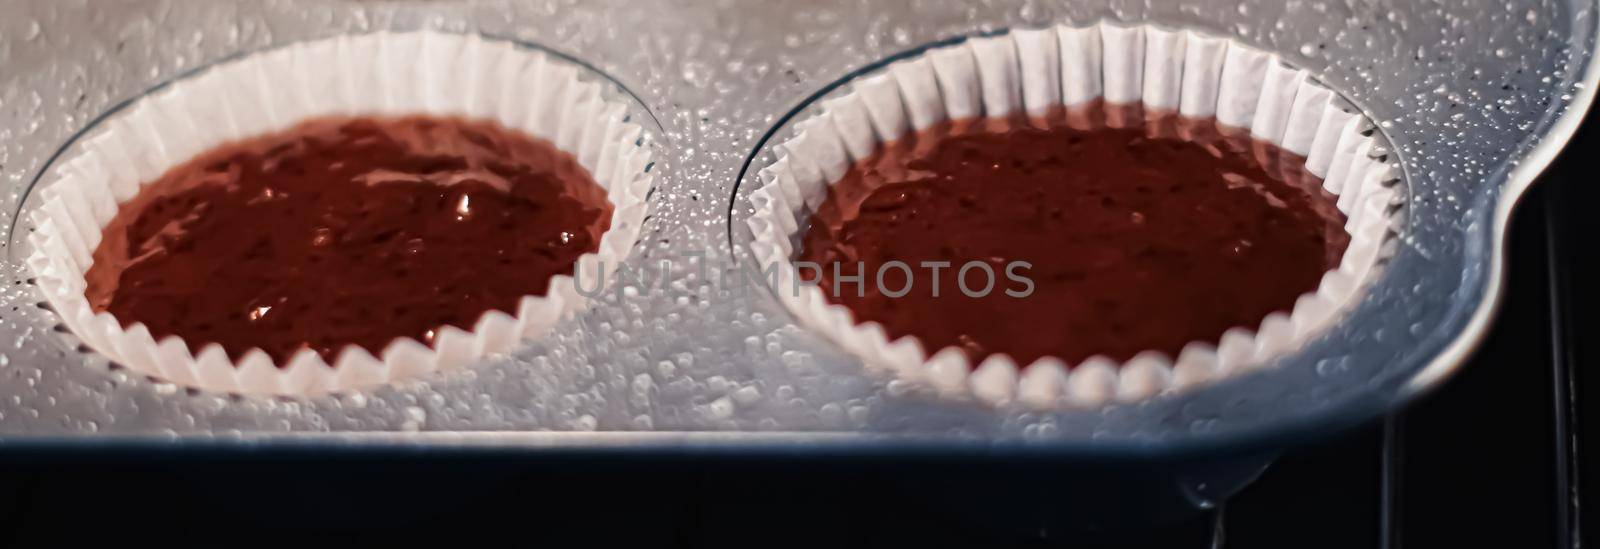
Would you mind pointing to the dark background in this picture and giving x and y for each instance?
(1490, 460)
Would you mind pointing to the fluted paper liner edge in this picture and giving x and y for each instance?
(1033, 71)
(422, 72)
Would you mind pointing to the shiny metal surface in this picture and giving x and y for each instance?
(1475, 96)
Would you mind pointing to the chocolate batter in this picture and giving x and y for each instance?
(347, 231)
(1135, 242)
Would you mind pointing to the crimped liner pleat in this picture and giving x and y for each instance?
(375, 74)
(1033, 72)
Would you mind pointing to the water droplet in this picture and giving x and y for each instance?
(719, 409)
(747, 395)
(697, 74)
(415, 416)
(1333, 366)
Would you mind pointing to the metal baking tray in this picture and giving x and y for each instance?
(1476, 97)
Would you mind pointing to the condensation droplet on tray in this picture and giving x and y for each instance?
(746, 395)
(414, 418)
(794, 359)
(1333, 366)
(717, 384)
(697, 74)
(1418, 329)
(858, 414)
(719, 409)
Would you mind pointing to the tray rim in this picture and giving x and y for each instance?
(1560, 126)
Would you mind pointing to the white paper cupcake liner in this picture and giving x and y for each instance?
(376, 74)
(1125, 69)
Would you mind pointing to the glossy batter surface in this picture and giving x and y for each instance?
(1135, 243)
(347, 231)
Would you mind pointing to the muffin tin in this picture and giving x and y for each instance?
(692, 359)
